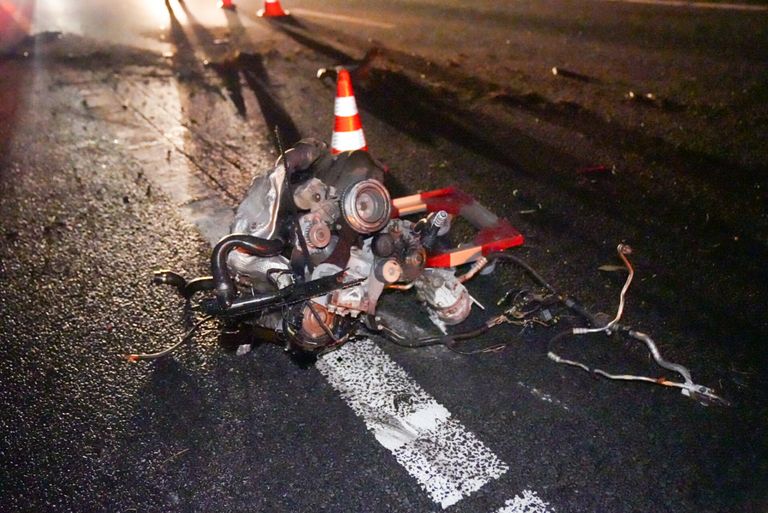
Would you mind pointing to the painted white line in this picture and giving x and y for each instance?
(448, 461)
(696, 5)
(528, 503)
(341, 17)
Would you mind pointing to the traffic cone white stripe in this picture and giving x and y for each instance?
(346, 141)
(345, 106)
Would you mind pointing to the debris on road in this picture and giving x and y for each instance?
(598, 169)
(652, 100)
(311, 264)
(562, 72)
(688, 388)
(359, 71)
(173, 456)
(608, 268)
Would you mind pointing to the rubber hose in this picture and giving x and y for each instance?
(198, 285)
(536, 276)
(569, 302)
(170, 278)
(225, 286)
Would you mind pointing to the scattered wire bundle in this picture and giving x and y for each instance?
(687, 386)
(528, 317)
(527, 310)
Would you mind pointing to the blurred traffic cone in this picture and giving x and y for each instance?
(226, 4)
(347, 128)
(272, 8)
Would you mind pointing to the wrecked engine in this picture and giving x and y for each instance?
(312, 248)
(314, 244)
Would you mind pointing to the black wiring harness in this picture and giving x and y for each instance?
(531, 316)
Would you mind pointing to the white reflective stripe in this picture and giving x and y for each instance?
(463, 256)
(528, 503)
(411, 209)
(406, 201)
(448, 461)
(345, 106)
(346, 141)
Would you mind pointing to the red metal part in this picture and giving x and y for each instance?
(494, 233)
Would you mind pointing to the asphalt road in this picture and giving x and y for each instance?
(123, 151)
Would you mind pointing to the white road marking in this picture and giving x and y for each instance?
(528, 503)
(696, 5)
(448, 461)
(341, 17)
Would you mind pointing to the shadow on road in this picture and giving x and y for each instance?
(255, 74)
(251, 68)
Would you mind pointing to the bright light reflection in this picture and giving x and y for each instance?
(132, 22)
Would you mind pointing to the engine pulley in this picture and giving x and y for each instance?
(366, 206)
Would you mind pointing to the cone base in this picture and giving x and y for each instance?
(272, 13)
(228, 6)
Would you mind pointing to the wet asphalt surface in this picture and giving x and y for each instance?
(96, 142)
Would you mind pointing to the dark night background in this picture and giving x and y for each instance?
(128, 130)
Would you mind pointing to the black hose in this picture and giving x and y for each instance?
(398, 340)
(569, 302)
(185, 288)
(198, 285)
(442, 340)
(455, 337)
(576, 307)
(170, 278)
(225, 287)
(520, 263)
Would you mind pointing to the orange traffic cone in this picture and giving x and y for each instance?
(272, 8)
(347, 128)
(226, 4)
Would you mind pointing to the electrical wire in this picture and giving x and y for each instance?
(623, 250)
(322, 324)
(687, 386)
(701, 393)
(476, 267)
(518, 314)
(135, 357)
(493, 348)
(520, 263)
